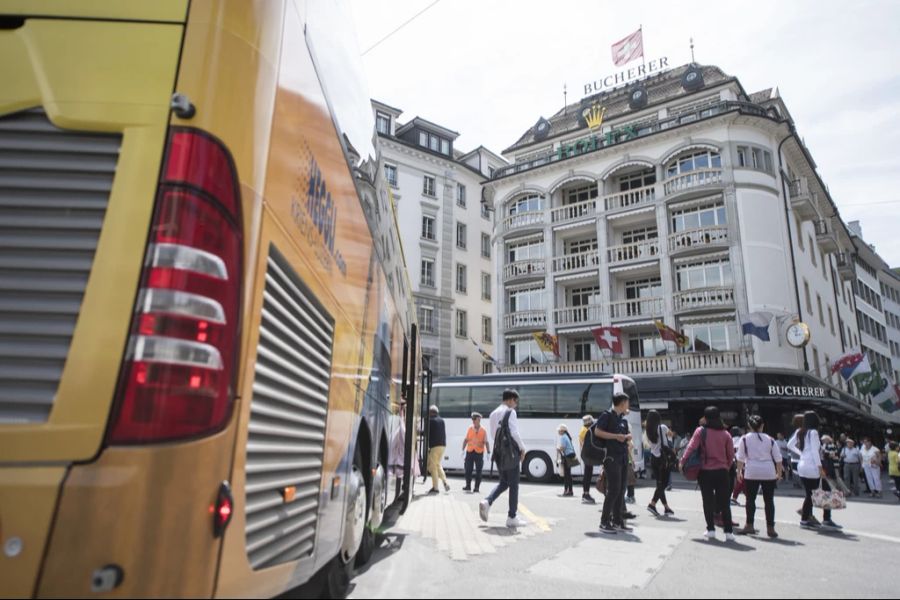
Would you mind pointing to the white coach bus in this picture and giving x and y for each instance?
(545, 401)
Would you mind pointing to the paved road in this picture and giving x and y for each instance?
(440, 549)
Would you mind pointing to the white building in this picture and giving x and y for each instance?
(446, 236)
(687, 200)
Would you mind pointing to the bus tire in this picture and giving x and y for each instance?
(337, 578)
(355, 513)
(538, 467)
(377, 505)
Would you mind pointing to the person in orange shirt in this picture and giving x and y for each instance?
(475, 445)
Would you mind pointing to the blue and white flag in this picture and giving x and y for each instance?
(757, 323)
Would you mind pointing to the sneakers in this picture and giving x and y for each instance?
(629, 515)
(484, 507)
(809, 525)
(669, 512)
(513, 522)
(607, 529)
(623, 527)
(734, 502)
(831, 524)
(710, 535)
(588, 499)
(629, 500)
(568, 493)
(652, 510)
(729, 537)
(446, 487)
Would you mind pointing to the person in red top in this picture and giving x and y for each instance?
(475, 444)
(717, 452)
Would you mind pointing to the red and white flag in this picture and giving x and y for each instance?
(627, 49)
(609, 338)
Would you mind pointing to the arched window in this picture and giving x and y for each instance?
(523, 204)
(702, 159)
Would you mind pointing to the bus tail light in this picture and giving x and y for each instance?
(177, 380)
(223, 510)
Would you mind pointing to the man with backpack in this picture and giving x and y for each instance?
(612, 428)
(509, 451)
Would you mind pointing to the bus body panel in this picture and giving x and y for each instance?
(109, 77)
(173, 11)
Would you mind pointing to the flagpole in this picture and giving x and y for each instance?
(643, 58)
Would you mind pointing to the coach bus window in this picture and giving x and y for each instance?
(486, 398)
(536, 401)
(573, 400)
(453, 401)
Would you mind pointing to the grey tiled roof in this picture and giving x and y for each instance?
(660, 88)
(761, 96)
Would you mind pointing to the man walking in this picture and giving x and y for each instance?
(851, 459)
(437, 443)
(475, 444)
(509, 451)
(612, 427)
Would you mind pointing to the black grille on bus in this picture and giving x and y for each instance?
(54, 190)
(287, 419)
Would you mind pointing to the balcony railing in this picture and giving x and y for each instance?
(571, 212)
(704, 298)
(705, 112)
(692, 179)
(534, 218)
(592, 313)
(524, 268)
(576, 262)
(826, 236)
(625, 253)
(802, 201)
(672, 364)
(698, 238)
(639, 308)
(631, 198)
(525, 319)
(845, 266)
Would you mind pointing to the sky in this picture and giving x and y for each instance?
(489, 68)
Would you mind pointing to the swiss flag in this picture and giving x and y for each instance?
(628, 48)
(609, 338)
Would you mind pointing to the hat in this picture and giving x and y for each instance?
(586, 419)
(562, 427)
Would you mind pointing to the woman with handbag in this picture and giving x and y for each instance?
(567, 458)
(716, 451)
(806, 445)
(759, 464)
(661, 460)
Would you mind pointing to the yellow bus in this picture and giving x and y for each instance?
(206, 336)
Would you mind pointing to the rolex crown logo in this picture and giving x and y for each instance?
(594, 116)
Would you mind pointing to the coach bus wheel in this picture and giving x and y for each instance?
(538, 467)
(355, 515)
(376, 516)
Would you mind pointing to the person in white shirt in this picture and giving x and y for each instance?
(871, 461)
(759, 464)
(509, 476)
(805, 444)
(852, 461)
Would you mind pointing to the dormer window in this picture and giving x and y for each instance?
(434, 143)
(383, 123)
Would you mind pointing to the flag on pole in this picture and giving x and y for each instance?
(852, 364)
(547, 342)
(888, 398)
(484, 354)
(669, 334)
(757, 323)
(872, 382)
(609, 338)
(628, 48)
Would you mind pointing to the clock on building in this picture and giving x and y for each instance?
(798, 335)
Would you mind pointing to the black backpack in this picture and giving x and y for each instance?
(506, 451)
(593, 450)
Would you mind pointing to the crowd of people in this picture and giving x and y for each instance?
(731, 462)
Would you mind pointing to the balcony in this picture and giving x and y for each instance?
(636, 252)
(845, 267)
(698, 240)
(534, 219)
(524, 269)
(643, 308)
(826, 236)
(802, 201)
(671, 364)
(573, 212)
(571, 263)
(630, 199)
(575, 315)
(704, 299)
(699, 178)
(525, 319)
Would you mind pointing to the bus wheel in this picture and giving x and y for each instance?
(376, 516)
(538, 467)
(355, 513)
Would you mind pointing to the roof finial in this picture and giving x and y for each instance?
(692, 50)
(565, 101)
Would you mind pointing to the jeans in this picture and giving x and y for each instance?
(716, 492)
(509, 480)
(768, 489)
(476, 460)
(616, 477)
(435, 456)
(851, 477)
(811, 485)
(661, 473)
